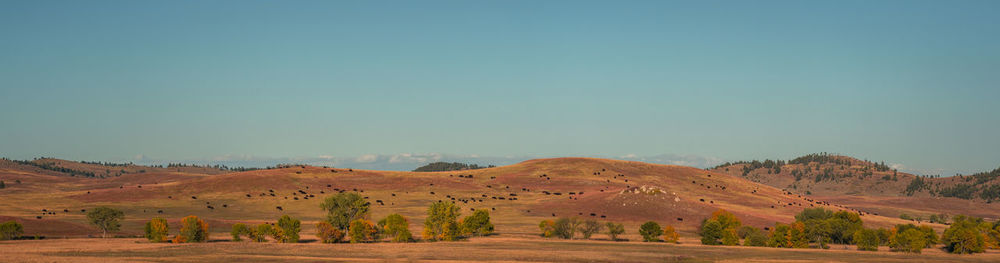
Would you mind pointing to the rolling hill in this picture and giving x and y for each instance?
(52, 203)
(873, 186)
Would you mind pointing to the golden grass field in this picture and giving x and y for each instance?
(606, 190)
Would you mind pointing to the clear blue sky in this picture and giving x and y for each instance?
(910, 82)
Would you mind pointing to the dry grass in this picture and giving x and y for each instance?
(493, 249)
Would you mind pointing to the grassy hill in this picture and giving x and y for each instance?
(872, 186)
(518, 195)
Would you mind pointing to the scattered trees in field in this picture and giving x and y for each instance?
(614, 230)
(477, 224)
(193, 230)
(327, 233)
(157, 230)
(442, 222)
(343, 208)
(650, 231)
(11, 230)
(106, 219)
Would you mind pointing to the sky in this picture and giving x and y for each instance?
(913, 83)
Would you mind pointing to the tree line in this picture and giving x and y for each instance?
(446, 166)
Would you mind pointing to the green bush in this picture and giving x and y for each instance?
(867, 239)
(711, 231)
(239, 229)
(755, 239)
(909, 240)
(261, 233)
(477, 224)
(565, 228)
(11, 230)
(290, 229)
(589, 228)
(361, 231)
(650, 231)
(441, 222)
(344, 208)
(614, 230)
(964, 236)
(730, 237)
(397, 227)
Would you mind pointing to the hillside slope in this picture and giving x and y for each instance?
(518, 195)
(863, 184)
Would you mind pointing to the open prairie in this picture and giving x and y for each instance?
(518, 197)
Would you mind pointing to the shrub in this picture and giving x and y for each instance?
(779, 236)
(670, 235)
(964, 236)
(722, 225)
(344, 208)
(650, 231)
(745, 231)
(589, 228)
(290, 229)
(797, 232)
(361, 231)
(157, 230)
(711, 231)
(755, 239)
(909, 240)
(106, 219)
(730, 237)
(11, 230)
(565, 228)
(327, 233)
(261, 233)
(441, 222)
(239, 229)
(397, 227)
(477, 224)
(192, 230)
(883, 236)
(548, 228)
(614, 230)
(726, 219)
(930, 237)
(867, 239)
